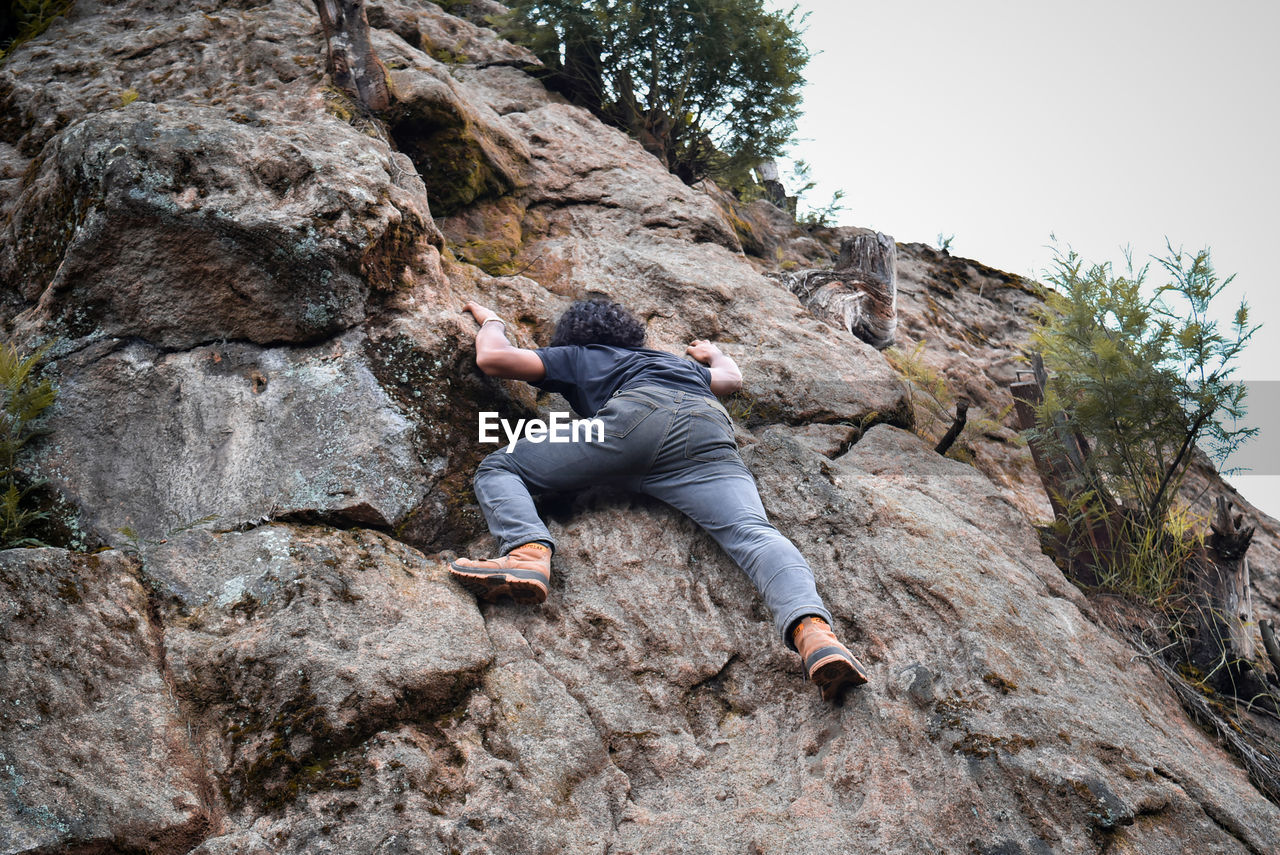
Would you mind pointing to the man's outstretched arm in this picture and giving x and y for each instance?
(725, 376)
(496, 356)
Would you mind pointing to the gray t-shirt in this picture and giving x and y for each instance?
(588, 375)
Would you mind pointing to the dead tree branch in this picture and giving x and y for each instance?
(962, 415)
(1268, 628)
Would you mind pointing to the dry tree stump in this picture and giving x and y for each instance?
(1221, 595)
(774, 190)
(1059, 473)
(1218, 606)
(860, 294)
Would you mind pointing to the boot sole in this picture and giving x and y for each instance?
(491, 585)
(835, 675)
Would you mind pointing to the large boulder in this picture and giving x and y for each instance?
(291, 644)
(94, 754)
(233, 432)
(175, 225)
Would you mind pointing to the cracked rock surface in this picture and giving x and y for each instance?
(93, 747)
(268, 405)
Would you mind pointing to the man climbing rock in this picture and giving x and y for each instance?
(665, 435)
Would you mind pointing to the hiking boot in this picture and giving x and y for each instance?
(522, 574)
(827, 662)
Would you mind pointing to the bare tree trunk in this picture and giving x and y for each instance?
(582, 77)
(1091, 537)
(352, 63)
(860, 294)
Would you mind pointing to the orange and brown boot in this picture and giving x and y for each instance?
(827, 662)
(522, 574)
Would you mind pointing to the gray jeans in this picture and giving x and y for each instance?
(676, 447)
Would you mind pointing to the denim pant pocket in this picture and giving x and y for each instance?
(709, 437)
(621, 414)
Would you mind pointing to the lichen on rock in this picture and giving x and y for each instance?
(93, 748)
(172, 224)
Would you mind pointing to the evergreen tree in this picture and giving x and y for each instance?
(710, 87)
(1143, 379)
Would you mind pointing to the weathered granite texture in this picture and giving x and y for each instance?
(268, 406)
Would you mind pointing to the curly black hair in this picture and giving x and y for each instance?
(598, 321)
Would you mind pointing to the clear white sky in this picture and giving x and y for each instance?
(1104, 123)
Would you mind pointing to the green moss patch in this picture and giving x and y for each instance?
(299, 738)
(456, 159)
(489, 235)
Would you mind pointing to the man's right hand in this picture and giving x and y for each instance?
(703, 351)
(725, 376)
(494, 354)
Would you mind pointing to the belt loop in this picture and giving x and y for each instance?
(679, 396)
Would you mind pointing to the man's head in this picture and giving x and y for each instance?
(598, 321)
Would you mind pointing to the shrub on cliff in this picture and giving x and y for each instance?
(708, 86)
(1143, 380)
(24, 399)
(27, 19)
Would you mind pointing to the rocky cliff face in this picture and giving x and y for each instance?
(268, 410)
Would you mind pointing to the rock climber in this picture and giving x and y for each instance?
(665, 435)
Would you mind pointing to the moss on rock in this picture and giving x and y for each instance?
(438, 385)
(489, 235)
(452, 155)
